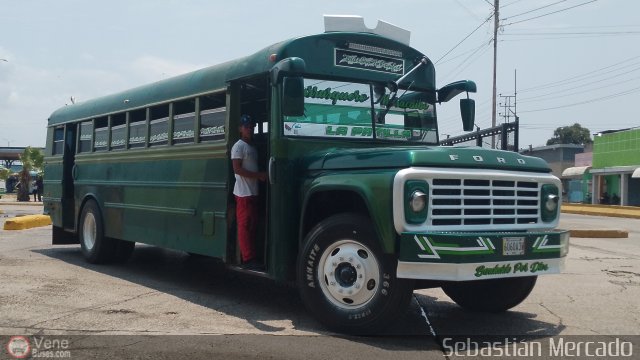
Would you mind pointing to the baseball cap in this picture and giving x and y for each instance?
(245, 120)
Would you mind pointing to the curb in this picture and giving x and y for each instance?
(27, 222)
(629, 212)
(600, 213)
(608, 234)
(28, 203)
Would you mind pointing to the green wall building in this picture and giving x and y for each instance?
(616, 167)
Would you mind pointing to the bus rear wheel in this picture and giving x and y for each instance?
(96, 248)
(345, 280)
(496, 295)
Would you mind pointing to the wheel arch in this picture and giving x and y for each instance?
(324, 200)
(85, 199)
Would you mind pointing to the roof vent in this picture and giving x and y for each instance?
(353, 23)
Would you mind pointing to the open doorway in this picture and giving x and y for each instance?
(252, 101)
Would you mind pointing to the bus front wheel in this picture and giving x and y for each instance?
(346, 281)
(96, 248)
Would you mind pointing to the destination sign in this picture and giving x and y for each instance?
(358, 60)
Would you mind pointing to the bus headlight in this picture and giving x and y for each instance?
(552, 202)
(416, 201)
(549, 200)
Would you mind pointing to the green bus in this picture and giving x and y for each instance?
(361, 206)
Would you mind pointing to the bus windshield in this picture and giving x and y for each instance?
(354, 110)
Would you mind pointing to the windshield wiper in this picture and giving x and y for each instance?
(393, 88)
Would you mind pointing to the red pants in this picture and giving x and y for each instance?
(247, 219)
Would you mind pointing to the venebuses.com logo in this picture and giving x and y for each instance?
(19, 347)
(32, 347)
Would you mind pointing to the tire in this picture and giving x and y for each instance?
(495, 295)
(96, 248)
(345, 280)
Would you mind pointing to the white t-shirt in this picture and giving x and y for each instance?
(249, 156)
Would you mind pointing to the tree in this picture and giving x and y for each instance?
(4, 173)
(32, 159)
(574, 134)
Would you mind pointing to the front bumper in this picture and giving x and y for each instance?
(479, 256)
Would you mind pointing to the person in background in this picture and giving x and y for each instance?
(33, 189)
(40, 186)
(244, 158)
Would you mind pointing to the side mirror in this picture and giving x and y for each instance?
(293, 96)
(450, 91)
(468, 113)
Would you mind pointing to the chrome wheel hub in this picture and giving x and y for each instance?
(89, 231)
(349, 274)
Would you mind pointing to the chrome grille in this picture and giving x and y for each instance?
(468, 202)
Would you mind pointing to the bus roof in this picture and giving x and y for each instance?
(316, 50)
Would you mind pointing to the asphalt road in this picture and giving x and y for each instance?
(128, 310)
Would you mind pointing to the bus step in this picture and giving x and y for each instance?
(240, 269)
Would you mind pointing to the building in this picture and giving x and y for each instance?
(616, 167)
(578, 179)
(559, 156)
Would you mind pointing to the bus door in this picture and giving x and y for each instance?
(68, 177)
(251, 97)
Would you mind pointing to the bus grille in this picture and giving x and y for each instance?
(468, 202)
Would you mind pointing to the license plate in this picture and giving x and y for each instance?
(513, 246)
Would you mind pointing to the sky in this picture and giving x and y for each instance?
(567, 61)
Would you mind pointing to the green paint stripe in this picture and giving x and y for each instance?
(160, 184)
(52, 182)
(546, 250)
(150, 208)
(214, 150)
(464, 253)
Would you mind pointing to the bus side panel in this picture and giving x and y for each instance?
(178, 203)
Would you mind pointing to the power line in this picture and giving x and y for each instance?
(467, 9)
(550, 95)
(608, 97)
(582, 27)
(466, 52)
(566, 37)
(536, 9)
(465, 38)
(546, 95)
(509, 4)
(551, 13)
(567, 80)
(461, 67)
(574, 33)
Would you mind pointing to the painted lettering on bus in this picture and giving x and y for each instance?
(327, 94)
(363, 131)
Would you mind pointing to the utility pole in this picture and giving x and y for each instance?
(496, 24)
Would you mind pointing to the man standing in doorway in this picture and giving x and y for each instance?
(244, 158)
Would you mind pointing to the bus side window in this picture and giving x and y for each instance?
(58, 141)
(213, 113)
(183, 121)
(118, 131)
(101, 134)
(159, 125)
(137, 128)
(86, 136)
